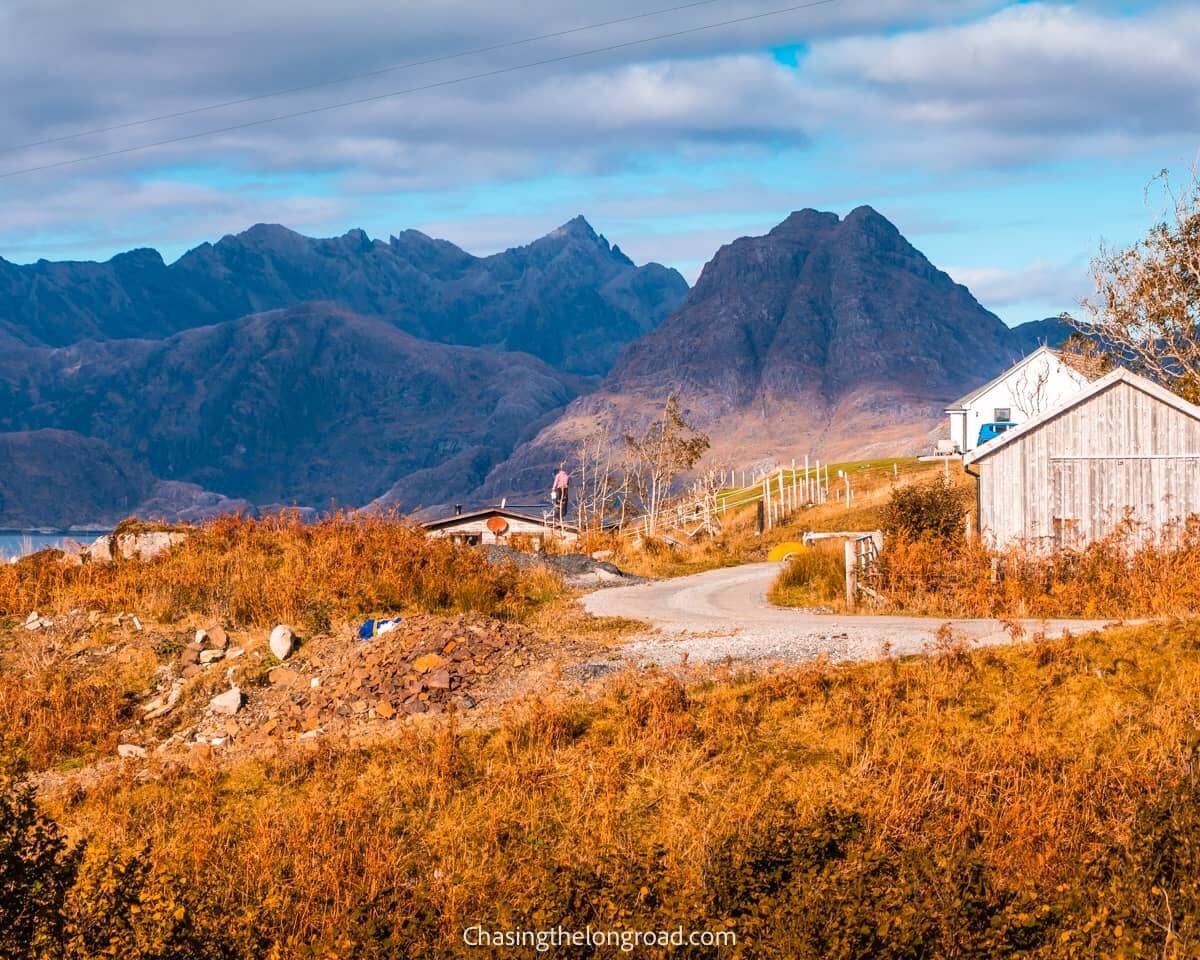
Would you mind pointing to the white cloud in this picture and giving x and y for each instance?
(1027, 83)
(1055, 283)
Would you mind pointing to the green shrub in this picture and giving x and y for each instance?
(932, 509)
(56, 904)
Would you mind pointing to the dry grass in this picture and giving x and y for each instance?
(64, 703)
(873, 482)
(990, 803)
(257, 573)
(813, 577)
(1116, 577)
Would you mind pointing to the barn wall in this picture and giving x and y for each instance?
(1071, 480)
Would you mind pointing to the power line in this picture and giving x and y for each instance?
(184, 138)
(395, 68)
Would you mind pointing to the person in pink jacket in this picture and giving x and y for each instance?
(558, 492)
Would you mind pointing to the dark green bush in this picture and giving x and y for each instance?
(934, 508)
(55, 905)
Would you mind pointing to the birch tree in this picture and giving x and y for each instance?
(602, 482)
(667, 448)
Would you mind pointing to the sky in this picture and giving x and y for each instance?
(1007, 141)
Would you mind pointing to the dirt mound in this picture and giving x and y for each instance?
(343, 684)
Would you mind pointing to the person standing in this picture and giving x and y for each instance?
(559, 492)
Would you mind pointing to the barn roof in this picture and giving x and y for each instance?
(505, 512)
(1119, 375)
(961, 402)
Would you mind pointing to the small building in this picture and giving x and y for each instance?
(1039, 382)
(1122, 447)
(500, 525)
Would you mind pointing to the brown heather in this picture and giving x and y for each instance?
(1117, 577)
(1037, 801)
(258, 573)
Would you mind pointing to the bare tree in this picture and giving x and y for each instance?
(1031, 388)
(668, 447)
(601, 481)
(1146, 308)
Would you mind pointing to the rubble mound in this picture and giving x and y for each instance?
(426, 666)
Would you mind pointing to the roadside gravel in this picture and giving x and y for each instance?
(724, 613)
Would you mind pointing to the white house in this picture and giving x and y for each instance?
(499, 525)
(1039, 382)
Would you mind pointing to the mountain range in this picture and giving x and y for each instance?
(271, 368)
(827, 336)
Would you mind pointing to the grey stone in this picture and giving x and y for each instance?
(229, 702)
(131, 751)
(101, 550)
(211, 656)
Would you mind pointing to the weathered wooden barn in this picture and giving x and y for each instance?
(1123, 446)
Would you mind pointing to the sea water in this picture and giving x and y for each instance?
(18, 543)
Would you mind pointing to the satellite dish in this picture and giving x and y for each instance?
(498, 525)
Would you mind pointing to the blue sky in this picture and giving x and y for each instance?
(1007, 141)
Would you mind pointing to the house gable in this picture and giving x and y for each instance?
(1123, 448)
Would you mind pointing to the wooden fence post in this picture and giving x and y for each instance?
(851, 574)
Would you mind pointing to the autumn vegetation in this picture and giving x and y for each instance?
(281, 569)
(1038, 801)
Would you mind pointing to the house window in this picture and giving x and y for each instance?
(1002, 414)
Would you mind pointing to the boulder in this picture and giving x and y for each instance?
(218, 639)
(228, 703)
(211, 656)
(131, 751)
(101, 550)
(147, 546)
(283, 641)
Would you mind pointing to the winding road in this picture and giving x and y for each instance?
(725, 612)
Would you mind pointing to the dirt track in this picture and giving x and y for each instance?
(725, 613)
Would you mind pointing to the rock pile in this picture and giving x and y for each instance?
(577, 569)
(426, 666)
(210, 645)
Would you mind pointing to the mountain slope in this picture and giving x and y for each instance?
(306, 405)
(569, 298)
(830, 337)
(62, 478)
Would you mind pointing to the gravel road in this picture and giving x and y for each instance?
(725, 612)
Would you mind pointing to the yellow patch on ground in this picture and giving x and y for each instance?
(781, 551)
